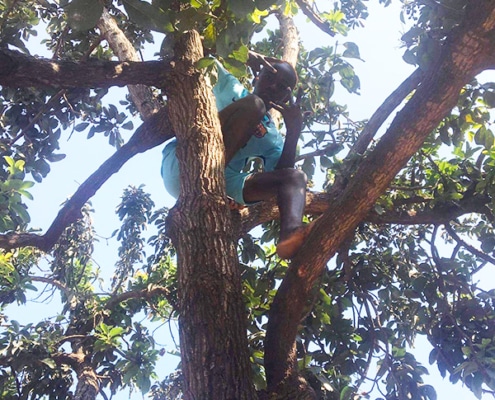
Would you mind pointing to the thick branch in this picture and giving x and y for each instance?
(375, 122)
(290, 37)
(154, 131)
(319, 203)
(385, 110)
(19, 70)
(212, 327)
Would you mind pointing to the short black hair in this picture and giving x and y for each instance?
(291, 68)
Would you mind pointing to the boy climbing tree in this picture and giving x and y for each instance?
(249, 132)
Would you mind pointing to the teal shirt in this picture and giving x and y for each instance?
(267, 148)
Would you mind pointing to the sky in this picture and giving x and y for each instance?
(380, 73)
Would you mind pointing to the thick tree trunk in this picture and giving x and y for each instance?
(212, 322)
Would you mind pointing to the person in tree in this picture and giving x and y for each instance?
(248, 133)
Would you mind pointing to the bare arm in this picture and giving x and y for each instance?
(293, 119)
(256, 61)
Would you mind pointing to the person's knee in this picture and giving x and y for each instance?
(294, 177)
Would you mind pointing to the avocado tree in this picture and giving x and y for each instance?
(402, 223)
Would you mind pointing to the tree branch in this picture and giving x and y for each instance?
(20, 70)
(146, 293)
(463, 56)
(315, 18)
(141, 95)
(319, 203)
(375, 122)
(320, 152)
(54, 282)
(154, 131)
(468, 247)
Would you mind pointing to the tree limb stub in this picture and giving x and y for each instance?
(462, 58)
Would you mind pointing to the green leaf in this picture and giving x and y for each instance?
(143, 382)
(148, 16)
(210, 34)
(433, 356)
(82, 126)
(49, 363)
(409, 57)
(484, 136)
(256, 15)
(20, 210)
(55, 157)
(83, 14)
(10, 161)
(346, 393)
(204, 62)
(429, 392)
(116, 331)
(128, 125)
(241, 8)
(197, 3)
(489, 98)
(241, 54)
(351, 50)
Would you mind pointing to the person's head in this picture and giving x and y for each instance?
(275, 86)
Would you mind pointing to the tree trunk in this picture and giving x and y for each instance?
(212, 322)
(88, 384)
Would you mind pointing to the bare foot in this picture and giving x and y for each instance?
(288, 247)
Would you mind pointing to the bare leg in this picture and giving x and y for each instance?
(239, 121)
(288, 186)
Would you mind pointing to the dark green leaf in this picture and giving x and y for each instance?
(148, 16)
(351, 50)
(83, 14)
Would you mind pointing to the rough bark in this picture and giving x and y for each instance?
(290, 39)
(466, 53)
(88, 385)
(141, 95)
(212, 322)
(20, 70)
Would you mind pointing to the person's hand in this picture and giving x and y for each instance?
(257, 60)
(291, 112)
